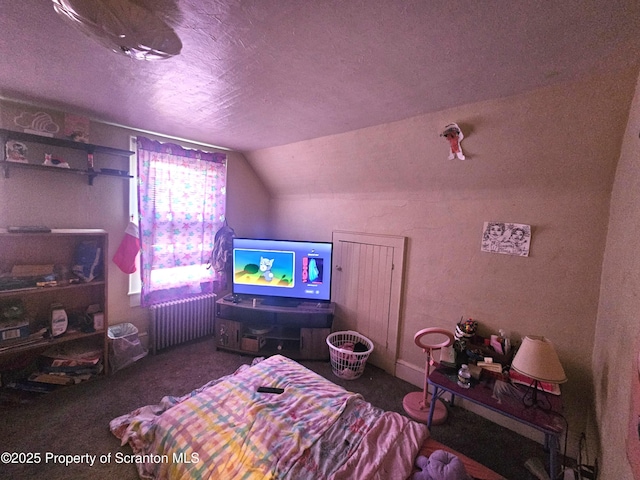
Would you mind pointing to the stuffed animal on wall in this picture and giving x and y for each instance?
(440, 465)
(453, 133)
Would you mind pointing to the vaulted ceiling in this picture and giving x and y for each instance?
(261, 73)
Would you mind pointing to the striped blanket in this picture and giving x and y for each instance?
(227, 430)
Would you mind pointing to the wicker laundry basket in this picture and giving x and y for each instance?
(345, 362)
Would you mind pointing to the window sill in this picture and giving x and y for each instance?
(134, 299)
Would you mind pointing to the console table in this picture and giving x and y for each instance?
(548, 422)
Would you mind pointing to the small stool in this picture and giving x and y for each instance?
(417, 404)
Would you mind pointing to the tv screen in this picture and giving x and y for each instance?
(277, 270)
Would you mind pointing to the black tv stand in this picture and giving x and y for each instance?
(280, 302)
(299, 331)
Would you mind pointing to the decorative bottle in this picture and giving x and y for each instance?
(464, 377)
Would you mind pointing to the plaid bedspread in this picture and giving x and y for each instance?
(227, 430)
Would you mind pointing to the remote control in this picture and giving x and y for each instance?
(270, 390)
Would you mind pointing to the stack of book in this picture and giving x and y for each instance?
(69, 364)
(63, 365)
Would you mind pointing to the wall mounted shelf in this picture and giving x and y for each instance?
(90, 149)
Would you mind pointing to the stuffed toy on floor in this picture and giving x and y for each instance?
(440, 465)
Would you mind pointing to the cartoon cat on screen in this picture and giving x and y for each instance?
(265, 268)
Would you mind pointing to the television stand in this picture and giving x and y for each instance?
(297, 332)
(280, 302)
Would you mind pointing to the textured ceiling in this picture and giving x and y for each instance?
(260, 73)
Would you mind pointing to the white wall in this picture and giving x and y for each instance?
(617, 335)
(546, 158)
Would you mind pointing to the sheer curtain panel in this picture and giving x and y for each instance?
(181, 205)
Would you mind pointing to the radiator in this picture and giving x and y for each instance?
(179, 321)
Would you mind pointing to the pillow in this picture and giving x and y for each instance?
(441, 465)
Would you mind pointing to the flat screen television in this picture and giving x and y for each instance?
(282, 272)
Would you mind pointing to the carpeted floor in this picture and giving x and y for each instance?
(75, 420)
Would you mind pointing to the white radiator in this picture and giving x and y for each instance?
(179, 321)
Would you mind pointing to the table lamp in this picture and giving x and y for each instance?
(537, 359)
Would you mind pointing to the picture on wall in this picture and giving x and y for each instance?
(76, 128)
(16, 152)
(506, 238)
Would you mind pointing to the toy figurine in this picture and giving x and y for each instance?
(453, 133)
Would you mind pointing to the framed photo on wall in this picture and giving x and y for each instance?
(16, 152)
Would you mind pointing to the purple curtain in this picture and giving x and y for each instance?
(181, 203)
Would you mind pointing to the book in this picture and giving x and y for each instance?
(50, 378)
(491, 366)
(27, 386)
(552, 388)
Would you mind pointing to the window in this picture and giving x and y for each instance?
(181, 205)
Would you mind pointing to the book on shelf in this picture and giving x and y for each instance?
(20, 342)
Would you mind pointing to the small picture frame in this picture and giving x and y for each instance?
(16, 152)
(98, 321)
(76, 128)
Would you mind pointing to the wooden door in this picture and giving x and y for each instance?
(367, 287)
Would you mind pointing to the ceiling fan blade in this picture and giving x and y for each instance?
(122, 26)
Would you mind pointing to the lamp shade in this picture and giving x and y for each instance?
(536, 358)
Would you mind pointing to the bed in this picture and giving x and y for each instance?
(314, 430)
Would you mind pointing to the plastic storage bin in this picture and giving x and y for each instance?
(124, 346)
(347, 361)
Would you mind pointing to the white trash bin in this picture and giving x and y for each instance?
(124, 346)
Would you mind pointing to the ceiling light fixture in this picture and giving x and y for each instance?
(122, 26)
